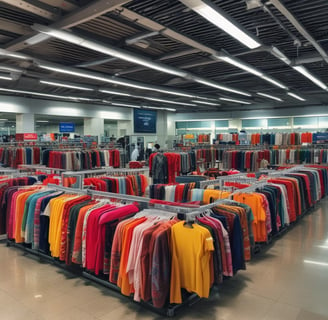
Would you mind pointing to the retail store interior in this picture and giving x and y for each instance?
(163, 159)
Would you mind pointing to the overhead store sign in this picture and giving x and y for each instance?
(26, 136)
(144, 121)
(66, 127)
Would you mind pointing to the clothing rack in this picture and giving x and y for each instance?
(80, 175)
(169, 311)
(220, 180)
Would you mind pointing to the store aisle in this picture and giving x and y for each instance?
(281, 283)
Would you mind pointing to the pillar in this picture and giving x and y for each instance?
(25, 123)
(94, 127)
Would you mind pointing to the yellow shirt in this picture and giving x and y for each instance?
(55, 222)
(191, 254)
(211, 195)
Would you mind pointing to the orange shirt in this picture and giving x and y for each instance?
(123, 277)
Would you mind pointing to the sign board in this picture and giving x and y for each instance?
(145, 121)
(26, 136)
(66, 127)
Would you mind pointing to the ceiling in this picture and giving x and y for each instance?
(146, 51)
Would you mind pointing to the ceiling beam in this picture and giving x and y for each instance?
(14, 27)
(29, 7)
(300, 28)
(87, 13)
(62, 4)
(152, 25)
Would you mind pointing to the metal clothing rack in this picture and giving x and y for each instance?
(220, 180)
(80, 175)
(170, 310)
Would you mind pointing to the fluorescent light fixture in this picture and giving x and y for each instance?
(205, 102)
(307, 74)
(146, 98)
(89, 75)
(268, 96)
(295, 96)
(167, 101)
(10, 54)
(214, 85)
(319, 263)
(240, 65)
(9, 78)
(159, 108)
(116, 93)
(224, 56)
(65, 85)
(10, 68)
(124, 105)
(43, 94)
(42, 121)
(281, 56)
(3, 119)
(275, 82)
(111, 51)
(322, 247)
(236, 101)
(221, 20)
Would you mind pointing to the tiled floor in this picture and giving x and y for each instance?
(277, 285)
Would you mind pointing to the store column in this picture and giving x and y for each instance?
(94, 127)
(25, 123)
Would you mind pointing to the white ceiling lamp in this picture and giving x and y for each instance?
(205, 102)
(235, 101)
(226, 57)
(42, 121)
(167, 101)
(121, 104)
(307, 74)
(269, 96)
(214, 15)
(295, 96)
(123, 94)
(3, 119)
(33, 93)
(280, 55)
(16, 55)
(239, 64)
(214, 85)
(111, 51)
(66, 85)
(90, 75)
(159, 108)
(8, 78)
(275, 82)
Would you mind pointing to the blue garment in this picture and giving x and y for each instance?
(29, 232)
(28, 153)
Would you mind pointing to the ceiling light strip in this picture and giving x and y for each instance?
(66, 85)
(235, 101)
(295, 96)
(269, 96)
(43, 94)
(205, 102)
(91, 75)
(123, 94)
(220, 19)
(8, 78)
(307, 74)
